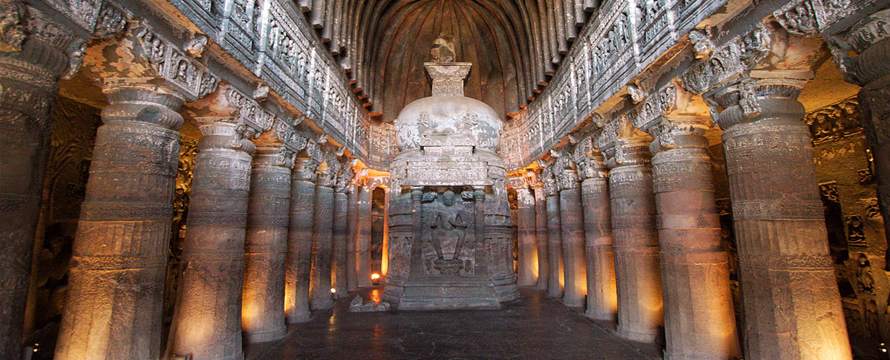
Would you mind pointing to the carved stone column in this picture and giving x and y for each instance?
(299, 242)
(571, 217)
(322, 237)
(525, 223)
(636, 242)
(116, 283)
(341, 224)
(870, 41)
(352, 222)
(694, 267)
(555, 277)
(541, 235)
(363, 241)
(262, 318)
(602, 295)
(32, 58)
(207, 319)
(791, 299)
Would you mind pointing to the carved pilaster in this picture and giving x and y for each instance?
(34, 52)
(779, 224)
(694, 267)
(322, 237)
(299, 241)
(266, 244)
(572, 232)
(211, 283)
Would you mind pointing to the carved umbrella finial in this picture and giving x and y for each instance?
(443, 49)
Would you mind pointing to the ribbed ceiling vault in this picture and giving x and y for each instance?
(514, 45)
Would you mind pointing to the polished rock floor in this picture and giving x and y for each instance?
(533, 328)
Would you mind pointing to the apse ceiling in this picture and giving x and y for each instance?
(514, 45)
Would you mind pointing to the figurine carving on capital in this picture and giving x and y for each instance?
(442, 51)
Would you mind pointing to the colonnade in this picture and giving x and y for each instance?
(652, 259)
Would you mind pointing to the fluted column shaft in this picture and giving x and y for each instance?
(602, 294)
(528, 251)
(262, 315)
(363, 241)
(352, 221)
(322, 243)
(115, 296)
(636, 244)
(694, 267)
(554, 248)
(299, 242)
(30, 64)
(571, 217)
(791, 301)
(341, 224)
(207, 319)
(541, 237)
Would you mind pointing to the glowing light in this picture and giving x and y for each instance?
(333, 291)
(375, 276)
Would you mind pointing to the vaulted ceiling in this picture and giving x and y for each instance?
(514, 45)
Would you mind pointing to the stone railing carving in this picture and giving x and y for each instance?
(626, 37)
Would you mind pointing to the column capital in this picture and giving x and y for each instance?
(861, 52)
(143, 105)
(750, 99)
(326, 175)
(304, 168)
(345, 178)
(589, 160)
(222, 134)
(548, 179)
(274, 155)
(680, 132)
(566, 172)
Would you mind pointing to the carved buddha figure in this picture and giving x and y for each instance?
(449, 223)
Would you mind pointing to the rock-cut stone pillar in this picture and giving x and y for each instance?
(694, 267)
(262, 303)
(299, 242)
(30, 65)
(571, 216)
(341, 226)
(637, 270)
(322, 241)
(352, 222)
(363, 237)
(541, 236)
(116, 284)
(528, 251)
(207, 317)
(791, 301)
(555, 276)
(602, 294)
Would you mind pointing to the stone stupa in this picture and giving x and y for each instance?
(450, 235)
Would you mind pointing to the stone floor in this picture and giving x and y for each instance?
(534, 328)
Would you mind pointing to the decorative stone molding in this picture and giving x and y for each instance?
(834, 121)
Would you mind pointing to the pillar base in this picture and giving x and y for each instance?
(299, 318)
(266, 336)
(644, 337)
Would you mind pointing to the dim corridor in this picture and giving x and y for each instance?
(533, 328)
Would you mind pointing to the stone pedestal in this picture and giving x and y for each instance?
(32, 60)
(322, 238)
(637, 268)
(299, 242)
(791, 301)
(352, 225)
(116, 285)
(262, 315)
(602, 295)
(363, 238)
(572, 225)
(341, 224)
(528, 251)
(698, 312)
(541, 237)
(554, 240)
(207, 319)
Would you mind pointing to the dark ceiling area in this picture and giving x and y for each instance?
(514, 45)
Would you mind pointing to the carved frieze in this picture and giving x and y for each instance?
(834, 121)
